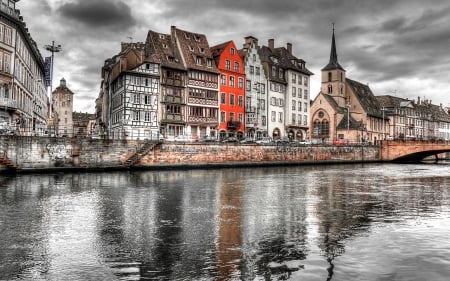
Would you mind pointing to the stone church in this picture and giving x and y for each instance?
(345, 110)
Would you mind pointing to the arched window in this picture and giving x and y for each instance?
(321, 129)
(325, 129)
(330, 89)
(329, 76)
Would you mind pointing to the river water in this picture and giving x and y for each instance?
(337, 222)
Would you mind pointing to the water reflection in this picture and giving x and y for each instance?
(308, 223)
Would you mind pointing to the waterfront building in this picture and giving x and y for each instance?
(162, 48)
(22, 89)
(130, 92)
(202, 103)
(415, 120)
(255, 90)
(287, 93)
(83, 124)
(231, 90)
(345, 109)
(62, 98)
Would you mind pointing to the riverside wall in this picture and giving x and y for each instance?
(30, 154)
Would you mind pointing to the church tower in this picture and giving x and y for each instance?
(333, 76)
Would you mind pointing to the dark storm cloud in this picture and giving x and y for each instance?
(100, 13)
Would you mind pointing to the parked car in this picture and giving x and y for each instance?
(282, 140)
(208, 139)
(340, 142)
(264, 140)
(179, 138)
(305, 142)
(247, 140)
(230, 139)
(316, 141)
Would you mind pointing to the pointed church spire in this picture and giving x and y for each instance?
(333, 64)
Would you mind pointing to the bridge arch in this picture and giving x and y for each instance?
(412, 151)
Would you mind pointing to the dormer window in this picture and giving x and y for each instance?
(191, 48)
(165, 46)
(202, 50)
(209, 62)
(187, 36)
(197, 38)
(198, 60)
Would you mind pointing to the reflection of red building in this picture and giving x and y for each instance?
(231, 90)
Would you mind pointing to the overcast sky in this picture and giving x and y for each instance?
(400, 48)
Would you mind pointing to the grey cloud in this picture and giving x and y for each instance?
(100, 13)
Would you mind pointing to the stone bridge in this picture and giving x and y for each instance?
(412, 151)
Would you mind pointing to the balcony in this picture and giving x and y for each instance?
(5, 102)
(233, 125)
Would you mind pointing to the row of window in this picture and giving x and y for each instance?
(6, 34)
(298, 121)
(231, 117)
(231, 81)
(300, 93)
(277, 87)
(253, 119)
(236, 66)
(232, 99)
(5, 62)
(299, 80)
(299, 108)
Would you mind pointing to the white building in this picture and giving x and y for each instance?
(256, 90)
(22, 89)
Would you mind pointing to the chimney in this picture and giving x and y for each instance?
(289, 48)
(271, 44)
(418, 100)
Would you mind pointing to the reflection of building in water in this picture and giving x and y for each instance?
(274, 225)
(229, 241)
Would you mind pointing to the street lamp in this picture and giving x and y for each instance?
(53, 49)
(348, 118)
(383, 109)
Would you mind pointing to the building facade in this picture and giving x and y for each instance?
(83, 124)
(162, 48)
(62, 98)
(256, 123)
(130, 90)
(23, 93)
(287, 93)
(345, 109)
(202, 103)
(415, 120)
(231, 90)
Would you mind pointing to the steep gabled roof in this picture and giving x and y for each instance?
(366, 98)
(217, 50)
(194, 46)
(161, 48)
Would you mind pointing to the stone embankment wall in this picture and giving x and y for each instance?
(38, 154)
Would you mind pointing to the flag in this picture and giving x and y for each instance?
(48, 71)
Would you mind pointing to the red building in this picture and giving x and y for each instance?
(231, 90)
